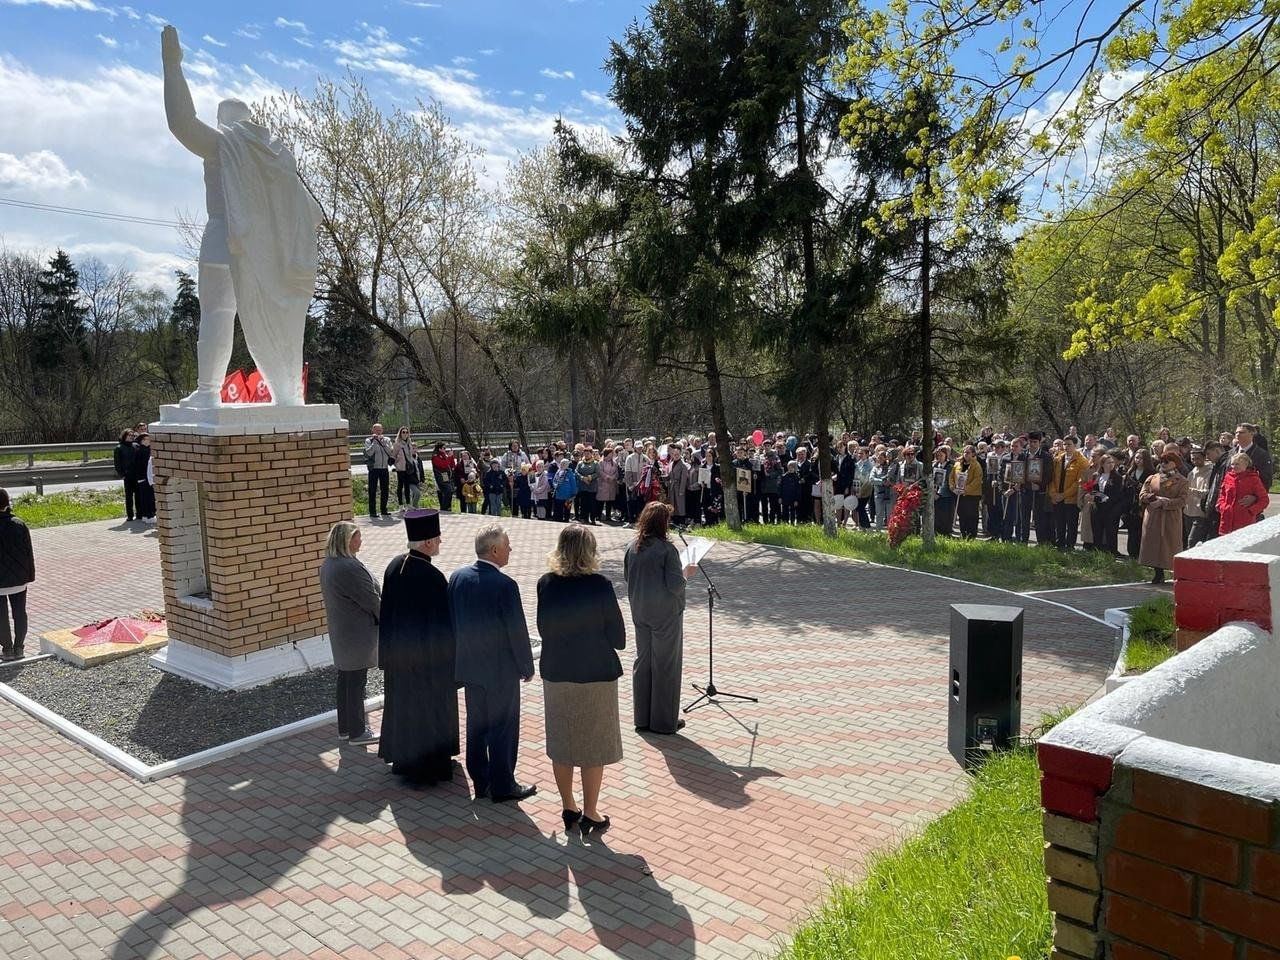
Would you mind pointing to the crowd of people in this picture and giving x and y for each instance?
(431, 636)
(1069, 491)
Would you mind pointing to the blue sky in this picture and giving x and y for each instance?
(82, 119)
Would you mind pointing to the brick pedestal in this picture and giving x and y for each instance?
(245, 501)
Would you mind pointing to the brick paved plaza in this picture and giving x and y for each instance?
(721, 840)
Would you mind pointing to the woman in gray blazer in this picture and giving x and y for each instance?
(351, 602)
(655, 587)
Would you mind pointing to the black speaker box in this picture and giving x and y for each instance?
(984, 706)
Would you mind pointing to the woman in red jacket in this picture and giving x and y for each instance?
(443, 465)
(1243, 495)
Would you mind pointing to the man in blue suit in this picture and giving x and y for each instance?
(494, 657)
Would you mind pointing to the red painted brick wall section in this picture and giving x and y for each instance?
(1190, 873)
(1071, 783)
(1210, 593)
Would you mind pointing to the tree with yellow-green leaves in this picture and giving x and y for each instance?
(1176, 95)
(1181, 242)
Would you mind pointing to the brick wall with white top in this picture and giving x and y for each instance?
(245, 517)
(1162, 799)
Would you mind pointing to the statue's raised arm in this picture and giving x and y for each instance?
(179, 109)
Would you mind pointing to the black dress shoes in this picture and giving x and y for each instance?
(520, 793)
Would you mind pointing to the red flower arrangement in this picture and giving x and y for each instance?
(904, 512)
(1090, 485)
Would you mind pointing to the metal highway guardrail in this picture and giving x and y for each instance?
(91, 470)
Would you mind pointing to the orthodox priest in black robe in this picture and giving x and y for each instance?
(416, 651)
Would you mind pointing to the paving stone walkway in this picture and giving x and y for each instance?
(723, 838)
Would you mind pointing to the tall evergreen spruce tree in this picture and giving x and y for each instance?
(58, 342)
(681, 84)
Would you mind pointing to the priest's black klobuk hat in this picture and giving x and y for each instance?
(421, 525)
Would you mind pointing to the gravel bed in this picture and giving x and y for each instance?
(155, 716)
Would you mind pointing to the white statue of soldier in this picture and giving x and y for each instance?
(258, 252)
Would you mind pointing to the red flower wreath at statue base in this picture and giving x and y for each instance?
(904, 512)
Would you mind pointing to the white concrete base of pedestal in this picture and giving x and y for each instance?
(234, 419)
(248, 670)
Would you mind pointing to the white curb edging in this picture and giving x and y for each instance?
(146, 772)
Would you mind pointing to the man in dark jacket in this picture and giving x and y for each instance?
(1206, 526)
(17, 572)
(1035, 505)
(1261, 459)
(494, 657)
(122, 458)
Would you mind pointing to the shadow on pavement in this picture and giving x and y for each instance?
(701, 772)
(231, 854)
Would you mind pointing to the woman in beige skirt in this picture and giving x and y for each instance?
(581, 628)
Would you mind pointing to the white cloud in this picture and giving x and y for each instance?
(421, 4)
(596, 99)
(540, 97)
(86, 5)
(156, 21)
(209, 39)
(288, 63)
(376, 44)
(501, 131)
(54, 126)
(515, 93)
(110, 42)
(250, 31)
(1073, 170)
(487, 52)
(38, 170)
(556, 74)
(131, 13)
(298, 25)
(462, 61)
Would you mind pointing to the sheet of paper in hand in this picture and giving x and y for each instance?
(695, 549)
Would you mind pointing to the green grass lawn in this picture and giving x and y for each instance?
(1009, 565)
(971, 886)
(69, 506)
(1151, 633)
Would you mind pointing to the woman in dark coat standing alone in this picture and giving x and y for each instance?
(351, 601)
(655, 587)
(17, 572)
(580, 624)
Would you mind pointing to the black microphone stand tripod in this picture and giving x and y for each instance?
(709, 694)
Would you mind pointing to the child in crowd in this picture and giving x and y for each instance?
(566, 486)
(540, 490)
(472, 492)
(1242, 481)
